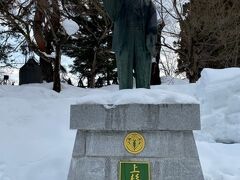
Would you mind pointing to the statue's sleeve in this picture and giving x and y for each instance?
(113, 8)
(152, 20)
(151, 29)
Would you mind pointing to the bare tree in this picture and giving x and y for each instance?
(170, 14)
(209, 36)
(47, 17)
(41, 18)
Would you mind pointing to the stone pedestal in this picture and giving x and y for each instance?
(167, 129)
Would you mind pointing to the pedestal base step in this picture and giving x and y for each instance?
(172, 155)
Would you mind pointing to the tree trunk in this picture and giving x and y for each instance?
(56, 75)
(155, 74)
(155, 77)
(108, 77)
(93, 71)
(47, 70)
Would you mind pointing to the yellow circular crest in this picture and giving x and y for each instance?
(134, 143)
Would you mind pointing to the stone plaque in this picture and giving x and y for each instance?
(134, 171)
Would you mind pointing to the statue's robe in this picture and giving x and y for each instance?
(134, 37)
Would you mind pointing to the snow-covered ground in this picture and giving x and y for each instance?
(36, 143)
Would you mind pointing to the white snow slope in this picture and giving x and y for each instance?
(36, 143)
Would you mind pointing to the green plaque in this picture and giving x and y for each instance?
(134, 171)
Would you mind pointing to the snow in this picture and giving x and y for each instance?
(219, 94)
(36, 142)
(52, 55)
(138, 96)
(34, 137)
(209, 76)
(219, 161)
(70, 26)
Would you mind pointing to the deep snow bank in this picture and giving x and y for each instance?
(219, 94)
(35, 140)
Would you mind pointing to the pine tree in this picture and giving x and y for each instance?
(91, 49)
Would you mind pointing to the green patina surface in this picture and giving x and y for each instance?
(134, 171)
(134, 38)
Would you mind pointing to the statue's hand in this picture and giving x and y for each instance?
(150, 43)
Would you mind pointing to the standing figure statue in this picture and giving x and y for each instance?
(134, 38)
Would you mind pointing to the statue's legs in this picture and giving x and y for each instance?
(142, 68)
(125, 69)
(140, 62)
(134, 56)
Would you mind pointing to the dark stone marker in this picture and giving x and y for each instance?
(30, 73)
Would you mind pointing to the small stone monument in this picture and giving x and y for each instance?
(135, 142)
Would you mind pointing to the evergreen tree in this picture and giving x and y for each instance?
(91, 49)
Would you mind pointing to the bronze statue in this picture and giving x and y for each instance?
(135, 29)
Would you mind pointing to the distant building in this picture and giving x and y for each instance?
(30, 73)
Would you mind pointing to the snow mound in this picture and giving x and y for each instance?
(35, 141)
(219, 94)
(211, 76)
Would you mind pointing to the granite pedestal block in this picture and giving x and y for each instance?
(167, 129)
